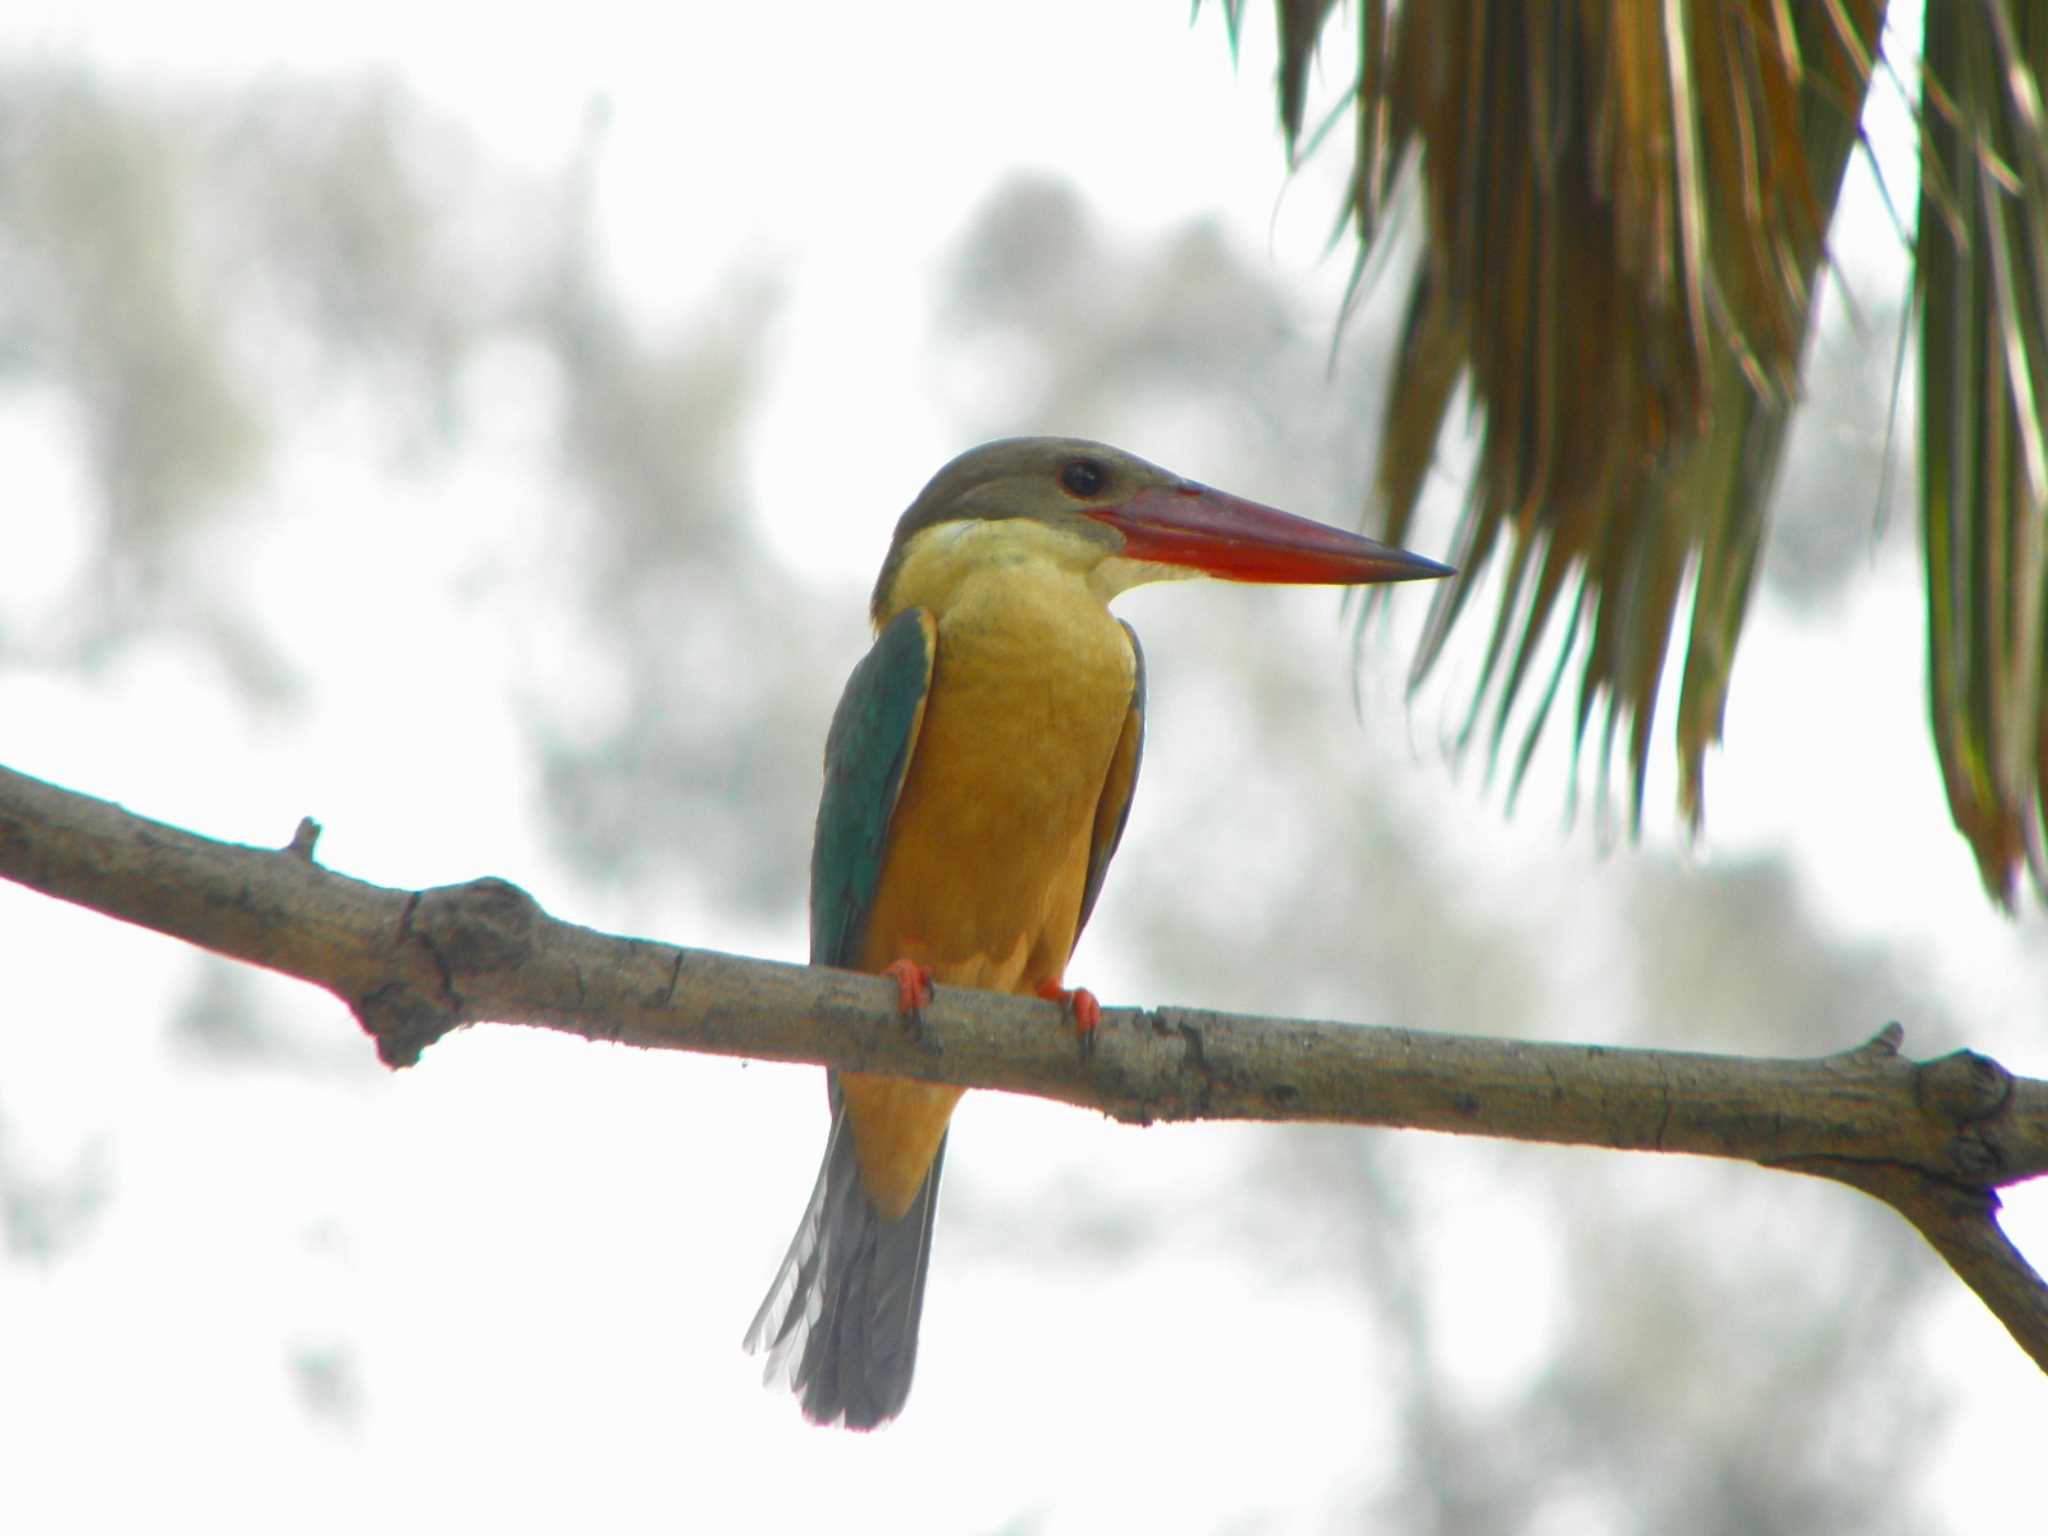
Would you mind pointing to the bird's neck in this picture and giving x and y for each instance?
(993, 567)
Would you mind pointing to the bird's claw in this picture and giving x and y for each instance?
(913, 991)
(1081, 1004)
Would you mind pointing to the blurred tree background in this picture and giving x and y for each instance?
(346, 481)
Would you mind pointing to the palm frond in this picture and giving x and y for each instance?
(1981, 282)
(1625, 207)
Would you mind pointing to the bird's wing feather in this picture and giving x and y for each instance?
(867, 751)
(1114, 808)
(839, 1324)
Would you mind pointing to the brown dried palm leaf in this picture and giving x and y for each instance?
(1625, 207)
(1982, 285)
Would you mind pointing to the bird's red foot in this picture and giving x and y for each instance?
(913, 984)
(1081, 1003)
(913, 991)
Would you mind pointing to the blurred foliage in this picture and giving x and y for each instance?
(1742, 1372)
(108, 292)
(196, 272)
(327, 1378)
(715, 688)
(46, 1211)
(43, 1212)
(1739, 939)
(174, 265)
(1042, 320)
(1624, 211)
(1846, 397)
(233, 1016)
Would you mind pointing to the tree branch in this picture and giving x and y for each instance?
(1934, 1140)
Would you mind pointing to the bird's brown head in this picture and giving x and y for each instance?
(1119, 521)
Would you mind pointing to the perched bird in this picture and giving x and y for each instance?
(977, 776)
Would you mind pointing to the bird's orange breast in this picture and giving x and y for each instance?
(989, 844)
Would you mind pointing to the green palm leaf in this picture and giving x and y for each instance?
(1625, 207)
(1982, 283)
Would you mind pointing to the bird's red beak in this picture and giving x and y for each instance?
(1238, 540)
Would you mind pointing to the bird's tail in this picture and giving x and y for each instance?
(839, 1324)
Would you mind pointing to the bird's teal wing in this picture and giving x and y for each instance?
(867, 752)
(1114, 808)
(839, 1324)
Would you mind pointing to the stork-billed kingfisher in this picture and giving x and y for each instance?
(978, 773)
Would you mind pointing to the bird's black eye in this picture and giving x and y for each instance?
(1083, 477)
